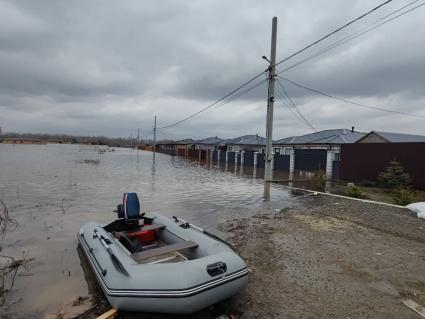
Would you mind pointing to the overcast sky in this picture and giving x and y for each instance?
(107, 67)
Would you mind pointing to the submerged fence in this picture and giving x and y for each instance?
(306, 160)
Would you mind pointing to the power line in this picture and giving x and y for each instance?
(333, 32)
(216, 105)
(285, 59)
(295, 107)
(239, 94)
(358, 33)
(213, 104)
(348, 101)
(286, 104)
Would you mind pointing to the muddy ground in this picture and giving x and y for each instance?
(321, 258)
(335, 258)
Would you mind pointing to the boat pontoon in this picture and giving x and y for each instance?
(156, 264)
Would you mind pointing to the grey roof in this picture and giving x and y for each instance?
(184, 142)
(335, 136)
(399, 137)
(209, 141)
(246, 140)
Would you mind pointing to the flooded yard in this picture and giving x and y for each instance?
(53, 189)
(309, 256)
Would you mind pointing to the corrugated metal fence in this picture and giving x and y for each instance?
(364, 161)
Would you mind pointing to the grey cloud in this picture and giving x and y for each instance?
(109, 67)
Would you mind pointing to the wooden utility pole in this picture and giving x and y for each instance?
(154, 135)
(268, 173)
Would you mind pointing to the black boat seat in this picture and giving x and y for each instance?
(163, 250)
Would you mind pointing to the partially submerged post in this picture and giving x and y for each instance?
(154, 135)
(268, 165)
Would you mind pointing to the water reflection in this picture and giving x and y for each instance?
(52, 189)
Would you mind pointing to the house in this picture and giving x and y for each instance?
(87, 141)
(23, 140)
(247, 143)
(173, 147)
(209, 143)
(322, 140)
(387, 137)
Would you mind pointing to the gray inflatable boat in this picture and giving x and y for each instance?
(155, 264)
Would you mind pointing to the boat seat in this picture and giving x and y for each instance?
(163, 250)
(158, 226)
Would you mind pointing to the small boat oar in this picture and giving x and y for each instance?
(187, 224)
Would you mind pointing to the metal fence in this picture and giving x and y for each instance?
(364, 161)
(281, 162)
(310, 160)
(248, 158)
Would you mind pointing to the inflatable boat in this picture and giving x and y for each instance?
(156, 264)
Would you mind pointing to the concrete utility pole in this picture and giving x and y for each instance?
(154, 135)
(268, 174)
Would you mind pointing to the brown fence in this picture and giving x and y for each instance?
(192, 153)
(363, 162)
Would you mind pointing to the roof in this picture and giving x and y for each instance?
(335, 136)
(246, 140)
(399, 137)
(209, 141)
(184, 142)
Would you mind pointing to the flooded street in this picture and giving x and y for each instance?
(309, 256)
(52, 189)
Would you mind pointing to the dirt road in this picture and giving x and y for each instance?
(331, 259)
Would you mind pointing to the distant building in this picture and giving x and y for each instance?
(88, 141)
(209, 143)
(322, 140)
(387, 137)
(247, 143)
(23, 140)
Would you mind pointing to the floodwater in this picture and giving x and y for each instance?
(52, 189)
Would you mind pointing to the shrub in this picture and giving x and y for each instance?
(394, 176)
(354, 191)
(403, 196)
(318, 181)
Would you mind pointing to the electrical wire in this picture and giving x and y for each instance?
(357, 34)
(351, 102)
(296, 107)
(283, 100)
(333, 32)
(214, 103)
(238, 95)
(217, 104)
(281, 61)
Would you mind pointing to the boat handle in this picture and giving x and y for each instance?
(218, 268)
(103, 271)
(105, 242)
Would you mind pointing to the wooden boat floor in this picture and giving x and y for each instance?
(171, 257)
(163, 250)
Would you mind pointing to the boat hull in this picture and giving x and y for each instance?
(180, 288)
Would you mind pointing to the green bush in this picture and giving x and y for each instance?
(318, 181)
(353, 191)
(403, 196)
(394, 176)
